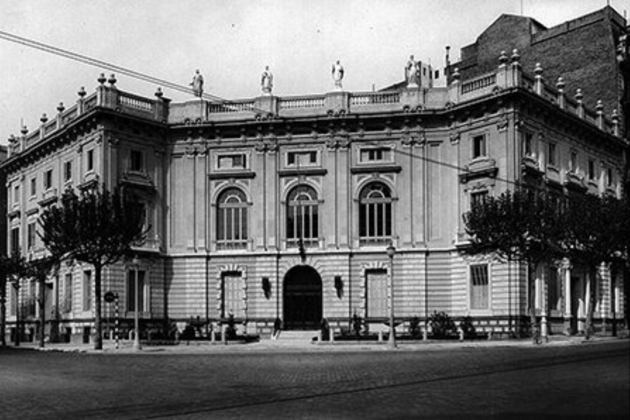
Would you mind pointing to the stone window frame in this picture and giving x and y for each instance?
(222, 270)
(242, 210)
(488, 307)
(387, 237)
(363, 292)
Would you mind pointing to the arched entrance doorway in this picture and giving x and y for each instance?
(302, 297)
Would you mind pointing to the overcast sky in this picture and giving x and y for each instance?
(232, 41)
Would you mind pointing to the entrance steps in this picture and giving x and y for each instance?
(295, 337)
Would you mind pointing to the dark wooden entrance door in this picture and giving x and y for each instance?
(302, 299)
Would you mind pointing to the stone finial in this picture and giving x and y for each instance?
(158, 93)
(503, 58)
(538, 70)
(24, 130)
(560, 84)
(112, 80)
(516, 57)
(44, 118)
(615, 122)
(60, 107)
(599, 107)
(101, 79)
(12, 139)
(82, 92)
(456, 74)
(579, 95)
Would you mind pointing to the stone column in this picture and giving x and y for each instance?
(587, 304)
(566, 266)
(544, 330)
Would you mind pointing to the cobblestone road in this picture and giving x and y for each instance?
(578, 381)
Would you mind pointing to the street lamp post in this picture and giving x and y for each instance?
(392, 332)
(136, 337)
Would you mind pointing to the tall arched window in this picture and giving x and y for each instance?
(375, 214)
(302, 216)
(232, 219)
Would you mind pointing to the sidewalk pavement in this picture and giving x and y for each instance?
(267, 345)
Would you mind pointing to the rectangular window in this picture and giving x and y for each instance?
(551, 154)
(375, 154)
(87, 290)
(236, 161)
(142, 291)
(609, 177)
(31, 236)
(48, 176)
(16, 194)
(479, 286)
(136, 161)
(591, 170)
(305, 158)
(479, 146)
(67, 171)
(553, 289)
(67, 294)
(90, 160)
(13, 301)
(528, 144)
(376, 285)
(233, 295)
(15, 241)
(573, 166)
(33, 187)
(478, 198)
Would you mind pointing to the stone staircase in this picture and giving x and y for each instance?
(295, 338)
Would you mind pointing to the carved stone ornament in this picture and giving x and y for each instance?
(455, 137)
(191, 151)
(409, 140)
(503, 123)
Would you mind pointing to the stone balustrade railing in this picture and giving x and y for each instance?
(104, 97)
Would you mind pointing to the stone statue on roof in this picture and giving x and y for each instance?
(412, 72)
(266, 81)
(337, 74)
(197, 84)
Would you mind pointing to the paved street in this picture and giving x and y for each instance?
(589, 380)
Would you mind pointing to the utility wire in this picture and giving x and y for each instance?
(102, 64)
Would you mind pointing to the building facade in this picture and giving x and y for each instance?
(283, 207)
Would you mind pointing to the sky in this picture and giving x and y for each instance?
(231, 42)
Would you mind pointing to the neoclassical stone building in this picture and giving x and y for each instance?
(283, 207)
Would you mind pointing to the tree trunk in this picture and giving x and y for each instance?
(3, 316)
(98, 328)
(41, 302)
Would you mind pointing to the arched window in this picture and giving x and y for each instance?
(232, 220)
(375, 214)
(302, 217)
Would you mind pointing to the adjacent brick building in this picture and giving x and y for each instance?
(283, 207)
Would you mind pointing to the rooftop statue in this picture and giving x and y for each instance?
(266, 81)
(197, 84)
(337, 74)
(412, 72)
